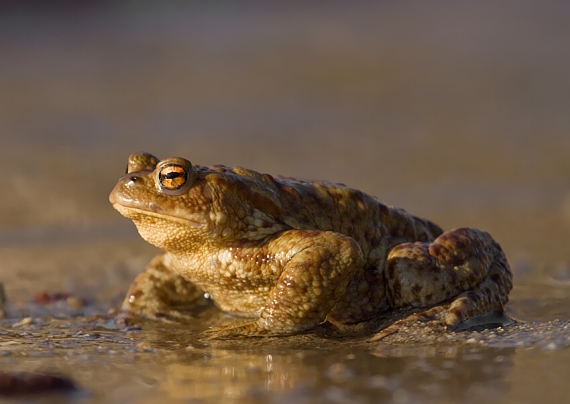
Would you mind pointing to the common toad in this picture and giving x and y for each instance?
(294, 253)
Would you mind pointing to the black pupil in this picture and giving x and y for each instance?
(173, 174)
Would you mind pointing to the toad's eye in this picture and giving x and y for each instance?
(172, 177)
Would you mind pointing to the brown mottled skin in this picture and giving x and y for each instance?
(294, 253)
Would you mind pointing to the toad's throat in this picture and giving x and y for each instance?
(138, 213)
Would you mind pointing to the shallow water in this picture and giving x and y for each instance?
(455, 111)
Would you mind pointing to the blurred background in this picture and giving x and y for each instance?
(457, 111)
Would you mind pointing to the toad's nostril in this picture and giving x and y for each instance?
(133, 178)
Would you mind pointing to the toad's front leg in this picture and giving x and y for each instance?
(312, 281)
(160, 293)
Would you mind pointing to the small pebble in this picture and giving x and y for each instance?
(15, 384)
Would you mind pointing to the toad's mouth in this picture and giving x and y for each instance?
(137, 214)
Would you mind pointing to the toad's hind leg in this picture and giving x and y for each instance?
(160, 293)
(463, 265)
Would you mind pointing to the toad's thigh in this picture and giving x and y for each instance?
(312, 281)
(424, 274)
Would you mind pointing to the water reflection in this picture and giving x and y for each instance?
(388, 374)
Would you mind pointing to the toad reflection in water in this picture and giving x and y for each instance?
(295, 253)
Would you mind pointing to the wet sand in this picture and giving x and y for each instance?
(456, 112)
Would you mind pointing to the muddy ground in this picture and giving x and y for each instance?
(457, 112)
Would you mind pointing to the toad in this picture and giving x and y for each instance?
(293, 254)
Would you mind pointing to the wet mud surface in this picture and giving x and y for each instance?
(102, 359)
(457, 112)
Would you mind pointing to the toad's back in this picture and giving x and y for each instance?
(329, 206)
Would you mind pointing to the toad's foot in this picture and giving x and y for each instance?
(432, 315)
(434, 319)
(160, 294)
